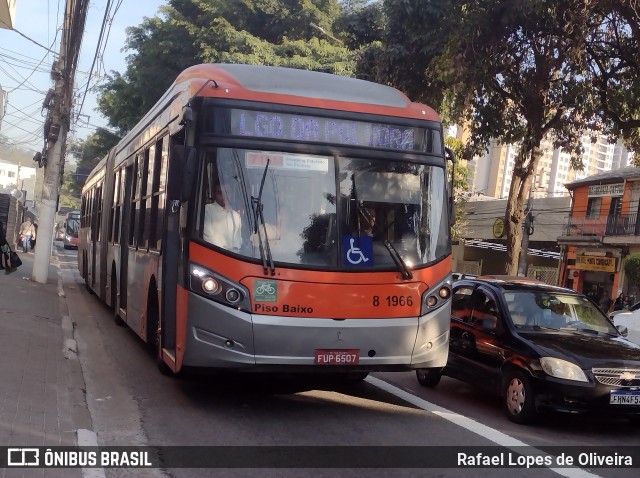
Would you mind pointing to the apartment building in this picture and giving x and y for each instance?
(491, 173)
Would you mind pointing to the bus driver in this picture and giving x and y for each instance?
(222, 225)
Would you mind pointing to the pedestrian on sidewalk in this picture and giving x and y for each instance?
(5, 262)
(27, 232)
(4, 246)
(620, 303)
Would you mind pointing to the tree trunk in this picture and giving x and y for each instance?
(521, 183)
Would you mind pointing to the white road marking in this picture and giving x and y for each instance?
(88, 438)
(478, 428)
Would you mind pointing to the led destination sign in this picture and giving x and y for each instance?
(292, 127)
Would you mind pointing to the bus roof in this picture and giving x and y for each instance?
(294, 86)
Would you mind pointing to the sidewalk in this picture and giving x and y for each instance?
(42, 399)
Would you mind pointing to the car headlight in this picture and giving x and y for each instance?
(562, 369)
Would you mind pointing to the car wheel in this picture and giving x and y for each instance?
(519, 397)
(429, 377)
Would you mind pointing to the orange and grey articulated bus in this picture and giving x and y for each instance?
(271, 219)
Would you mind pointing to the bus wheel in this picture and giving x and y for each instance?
(154, 337)
(429, 377)
(163, 368)
(114, 299)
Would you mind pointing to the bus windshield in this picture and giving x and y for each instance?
(313, 218)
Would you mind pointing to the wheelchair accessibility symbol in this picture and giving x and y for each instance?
(357, 251)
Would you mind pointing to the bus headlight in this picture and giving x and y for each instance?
(210, 285)
(213, 286)
(436, 297)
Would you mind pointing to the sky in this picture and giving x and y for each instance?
(25, 64)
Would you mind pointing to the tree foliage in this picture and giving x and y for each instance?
(613, 62)
(514, 72)
(88, 154)
(460, 187)
(631, 265)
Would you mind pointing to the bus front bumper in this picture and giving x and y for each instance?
(221, 337)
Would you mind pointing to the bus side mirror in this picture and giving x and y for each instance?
(182, 172)
(449, 156)
(188, 174)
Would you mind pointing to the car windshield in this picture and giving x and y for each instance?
(548, 310)
(324, 211)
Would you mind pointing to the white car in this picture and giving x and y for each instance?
(631, 314)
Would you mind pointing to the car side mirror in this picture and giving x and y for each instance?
(623, 330)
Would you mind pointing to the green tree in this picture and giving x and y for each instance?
(613, 61)
(88, 153)
(513, 72)
(91, 150)
(631, 265)
(70, 192)
(460, 187)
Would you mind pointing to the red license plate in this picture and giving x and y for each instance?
(337, 357)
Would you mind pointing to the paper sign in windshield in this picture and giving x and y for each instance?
(299, 162)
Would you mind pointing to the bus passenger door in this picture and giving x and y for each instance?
(173, 263)
(95, 234)
(125, 225)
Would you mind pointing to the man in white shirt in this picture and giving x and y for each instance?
(222, 225)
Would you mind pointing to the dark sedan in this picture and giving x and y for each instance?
(539, 347)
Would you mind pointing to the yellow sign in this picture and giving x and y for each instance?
(498, 228)
(595, 263)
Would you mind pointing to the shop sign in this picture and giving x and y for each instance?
(596, 263)
(606, 190)
(498, 228)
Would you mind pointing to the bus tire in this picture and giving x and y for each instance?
(429, 377)
(114, 299)
(85, 273)
(154, 338)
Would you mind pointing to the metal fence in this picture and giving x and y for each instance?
(548, 275)
(617, 225)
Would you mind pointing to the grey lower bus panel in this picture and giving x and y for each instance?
(223, 337)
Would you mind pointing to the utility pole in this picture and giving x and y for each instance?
(55, 132)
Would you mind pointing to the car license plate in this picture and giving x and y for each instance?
(624, 397)
(337, 357)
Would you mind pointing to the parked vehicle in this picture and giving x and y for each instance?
(632, 312)
(539, 347)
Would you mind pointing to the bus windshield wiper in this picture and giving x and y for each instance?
(395, 255)
(259, 227)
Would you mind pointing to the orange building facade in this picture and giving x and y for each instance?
(602, 229)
